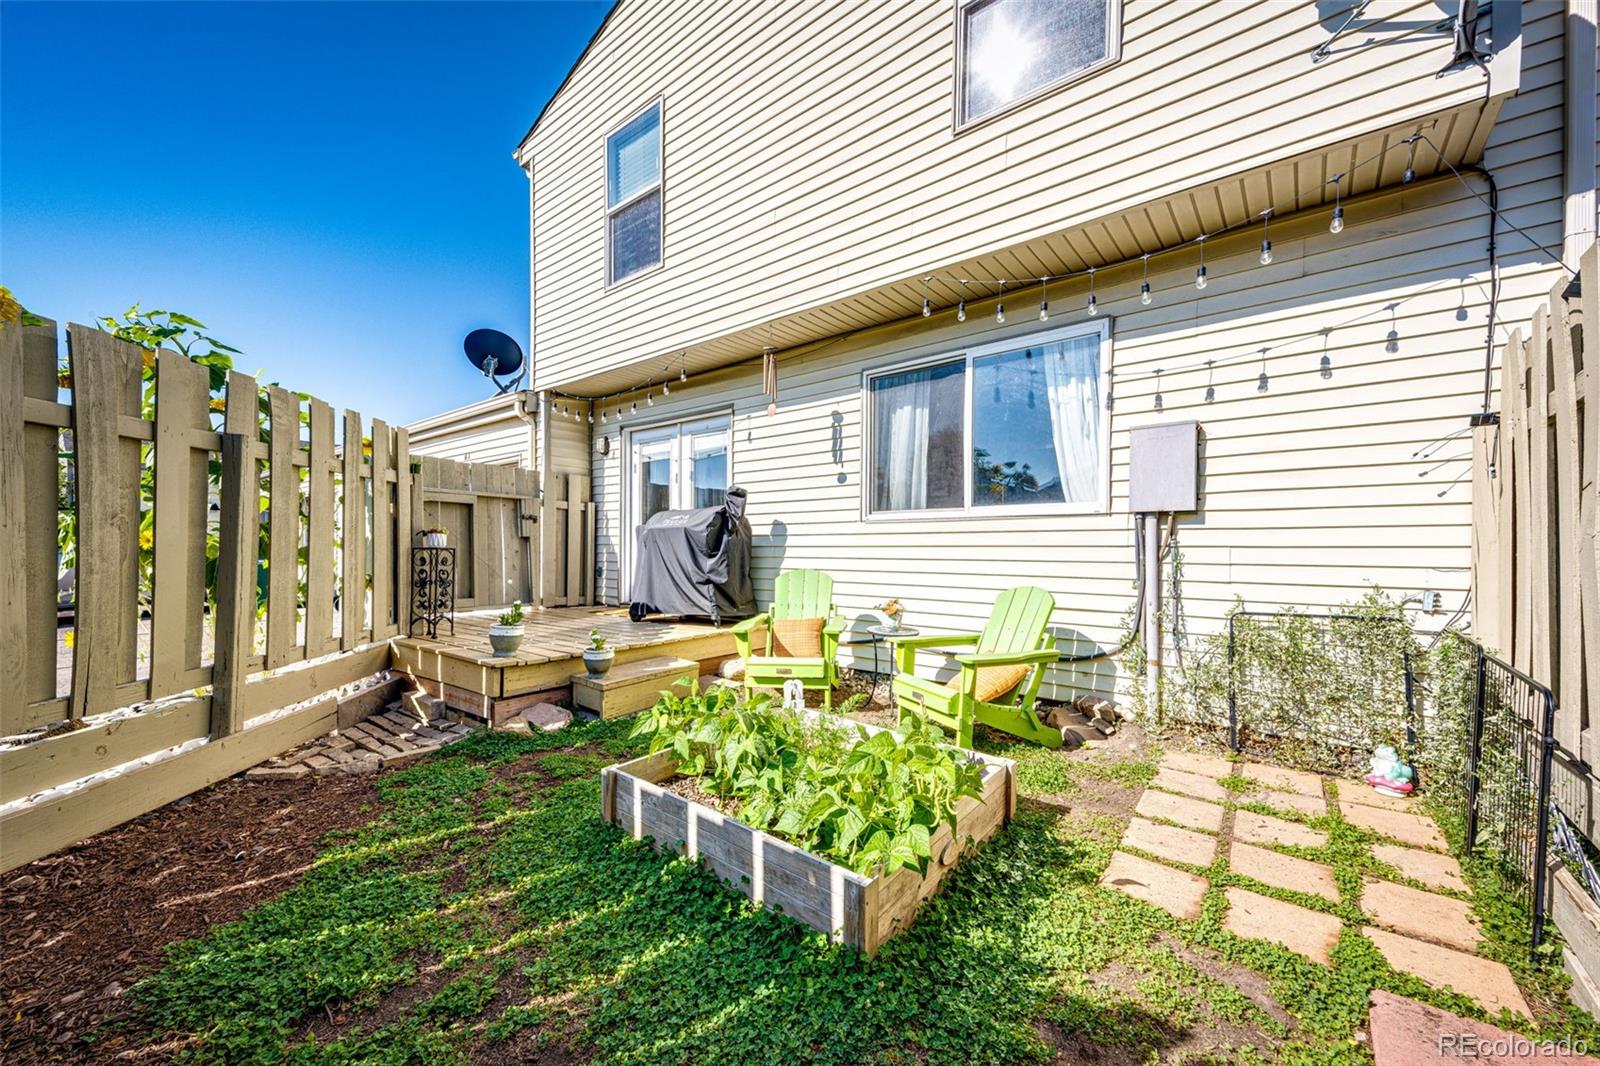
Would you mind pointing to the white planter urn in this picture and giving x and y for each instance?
(435, 540)
(505, 639)
(598, 662)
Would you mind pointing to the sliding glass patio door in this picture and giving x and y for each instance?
(676, 467)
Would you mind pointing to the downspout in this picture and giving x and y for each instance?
(534, 560)
(1578, 171)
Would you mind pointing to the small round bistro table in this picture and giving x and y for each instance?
(881, 634)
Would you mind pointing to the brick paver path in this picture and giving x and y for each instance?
(1188, 817)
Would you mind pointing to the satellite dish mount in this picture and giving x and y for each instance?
(495, 355)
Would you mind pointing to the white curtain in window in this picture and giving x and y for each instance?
(1072, 375)
(902, 444)
(634, 157)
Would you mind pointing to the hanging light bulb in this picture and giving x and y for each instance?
(1144, 285)
(683, 371)
(961, 304)
(1261, 382)
(1327, 367)
(1044, 299)
(1336, 224)
(649, 399)
(927, 307)
(633, 407)
(665, 388)
(1411, 160)
(1200, 271)
(1000, 308)
(1211, 389)
(591, 416)
(602, 415)
(1211, 393)
(1266, 237)
(1159, 403)
(1094, 309)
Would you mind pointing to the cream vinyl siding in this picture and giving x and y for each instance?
(1311, 492)
(854, 177)
(488, 431)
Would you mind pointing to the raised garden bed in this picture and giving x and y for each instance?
(851, 908)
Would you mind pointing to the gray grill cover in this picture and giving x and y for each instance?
(695, 563)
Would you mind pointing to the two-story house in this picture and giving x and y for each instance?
(910, 273)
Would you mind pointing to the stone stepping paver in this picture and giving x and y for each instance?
(1265, 829)
(1419, 913)
(1485, 980)
(1413, 829)
(1196, 814)
(1311, 806)
(1170, 842)
(390, 737)
(1305, 932)
(1195, 762)
(1174, 891)
(1283, 779)
(1429, 867)
(1188, 784)
(1364, 794)
(1283, 871)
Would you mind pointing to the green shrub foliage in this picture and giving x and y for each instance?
(862, 800)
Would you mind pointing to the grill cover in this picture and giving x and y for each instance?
(695, 563)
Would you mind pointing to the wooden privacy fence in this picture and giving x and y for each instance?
(235, 556)
(1536, 597)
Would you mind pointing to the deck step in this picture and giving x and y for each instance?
(630, 687)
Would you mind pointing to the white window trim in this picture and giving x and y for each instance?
(629, 489)
(968, 512)
(1113, 55)
(658, 105)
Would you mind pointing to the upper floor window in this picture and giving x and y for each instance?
(1015, 424)
(633, 196)
(1011, 50)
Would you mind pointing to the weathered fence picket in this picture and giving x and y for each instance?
(1535, 589)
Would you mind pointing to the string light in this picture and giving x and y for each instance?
(666, 388)
(1000, 308)
(1211, 389)
(591, 414)
(961, 304)
(927, 308)
(1093, 309)
(649, 399)
(633, 408)
(1159, 404)
(1144, 285)
(1200, 271)
(1336, 224)
(1411, 159)
(1261, 382)
(1044, 299)
(1266, 237)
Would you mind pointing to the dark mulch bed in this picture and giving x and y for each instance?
(79, 927)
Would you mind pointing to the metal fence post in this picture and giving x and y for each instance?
(1541, 845)
(1475, 751)
(1411, 699)
(1233, 694)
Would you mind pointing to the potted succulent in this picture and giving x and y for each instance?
(597, 657)
(506, 634)
(892, 610)
(434, 538)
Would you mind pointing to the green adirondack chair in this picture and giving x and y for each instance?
(797, 594)
(1016, 636)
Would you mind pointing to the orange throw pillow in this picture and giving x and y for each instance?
(994, 681)
(797, 638)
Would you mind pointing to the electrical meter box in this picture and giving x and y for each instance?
(1164, 468)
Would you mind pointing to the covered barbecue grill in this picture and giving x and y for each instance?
(695, 563)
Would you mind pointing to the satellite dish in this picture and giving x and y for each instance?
(496, 355)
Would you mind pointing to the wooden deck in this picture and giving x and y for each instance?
(463, 670)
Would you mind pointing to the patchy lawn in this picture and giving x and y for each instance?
(482, 912)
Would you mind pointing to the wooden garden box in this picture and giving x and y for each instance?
(852, 909)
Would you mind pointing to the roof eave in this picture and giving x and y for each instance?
(522, 145)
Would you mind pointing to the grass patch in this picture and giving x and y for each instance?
(485, 902)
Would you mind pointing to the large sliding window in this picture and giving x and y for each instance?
(1015, 425)
(1009, 51)
(633, 196)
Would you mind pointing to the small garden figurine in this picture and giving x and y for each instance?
(1391, 775)
(597, 657)
(892, 609)
(505, 636)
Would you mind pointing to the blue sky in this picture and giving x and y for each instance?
(328, 186)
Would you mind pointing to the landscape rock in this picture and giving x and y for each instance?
(732, 669)
(546, 716)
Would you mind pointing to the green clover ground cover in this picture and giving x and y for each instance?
(487, 913)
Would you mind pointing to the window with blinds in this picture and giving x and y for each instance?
(633, 196)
